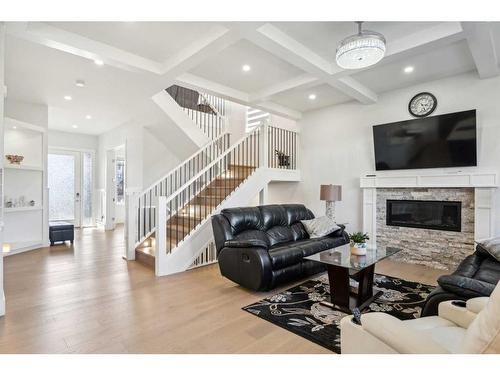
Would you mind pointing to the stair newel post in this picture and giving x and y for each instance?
(264, 144)
(161, 236)
(131, 229)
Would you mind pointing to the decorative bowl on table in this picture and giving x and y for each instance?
(15, 159)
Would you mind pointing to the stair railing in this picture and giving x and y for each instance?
(183, 211)
(145, 205)
(207, 111)
(282, 148)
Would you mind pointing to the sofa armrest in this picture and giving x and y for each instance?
(465, 286)
(248, 266)
(394, 333)
(461, 316)
(246, 243)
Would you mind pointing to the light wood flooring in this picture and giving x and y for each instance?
(87, 299)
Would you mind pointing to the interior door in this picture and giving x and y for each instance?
(65, 186)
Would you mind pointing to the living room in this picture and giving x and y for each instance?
(220, 183)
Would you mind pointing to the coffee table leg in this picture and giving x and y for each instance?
(365, 288)
(338, 278)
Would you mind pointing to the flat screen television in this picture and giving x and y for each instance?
(432, 142)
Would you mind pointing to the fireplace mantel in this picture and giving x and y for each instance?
(406, 179)
(483, 182)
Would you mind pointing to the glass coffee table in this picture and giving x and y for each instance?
(342, 267)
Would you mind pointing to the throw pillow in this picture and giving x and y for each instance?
(492, 246)
(320, 226)
(483, 334)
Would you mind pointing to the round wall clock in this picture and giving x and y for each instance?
(422, 104)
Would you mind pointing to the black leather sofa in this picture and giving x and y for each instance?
(262, 247)
(476, 276)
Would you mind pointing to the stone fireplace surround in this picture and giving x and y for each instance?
(433, 248)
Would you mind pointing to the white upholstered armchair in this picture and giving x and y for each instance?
(474, 328)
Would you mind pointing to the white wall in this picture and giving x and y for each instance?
(73, 140)
(337, 142)
(2, 81)
(236, 119)
(157, 159)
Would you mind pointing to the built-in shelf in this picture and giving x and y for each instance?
(20, 209)
(24, 167)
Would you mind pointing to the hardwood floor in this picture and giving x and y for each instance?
(87, 299)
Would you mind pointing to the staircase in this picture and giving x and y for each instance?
(169, 223)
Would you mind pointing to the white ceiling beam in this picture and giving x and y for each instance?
(278, 109)
(423, 41)
(52, 37)
(304, 80)
(195, 82)
(279, 43)
(275, 41)
(208, 45)
(482, 47)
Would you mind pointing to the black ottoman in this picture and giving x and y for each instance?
(60, 231)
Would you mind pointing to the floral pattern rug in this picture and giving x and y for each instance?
(299, 310)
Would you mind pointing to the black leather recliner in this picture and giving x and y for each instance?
(261, 247)
(476, 276)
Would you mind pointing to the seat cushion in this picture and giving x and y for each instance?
(60, 225)
(429, 322)
(450, 338)
(290, 253)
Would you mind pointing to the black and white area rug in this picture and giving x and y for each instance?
(299, 310)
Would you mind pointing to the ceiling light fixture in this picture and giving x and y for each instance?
(14, 127)
(99, 62)
(409, 69)
(88, 117)
(68, 97)
(74, 126)
(80, 83)
(312, 96)
(246, 68)
(358, 51)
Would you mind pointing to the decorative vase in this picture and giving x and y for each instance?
(358, 248)
(15, 159)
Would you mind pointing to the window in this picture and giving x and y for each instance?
(255, 117)
(120, 180)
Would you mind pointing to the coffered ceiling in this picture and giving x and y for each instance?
(289, 62)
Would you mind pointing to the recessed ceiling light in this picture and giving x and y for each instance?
(80, 83)
(14, 127)
(74, 126)
(409, 69)
(68, 97)
(246, 68)
(312, 96)
(88, 117)
(99, 62)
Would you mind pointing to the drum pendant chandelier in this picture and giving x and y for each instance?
(361, 50)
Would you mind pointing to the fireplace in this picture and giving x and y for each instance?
(430, 214)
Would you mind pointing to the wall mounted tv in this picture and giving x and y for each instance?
(432, 142)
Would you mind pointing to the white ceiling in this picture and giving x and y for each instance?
(324, 37)
(289, 61)
(226, 68)
(438, 63)
(154, 40)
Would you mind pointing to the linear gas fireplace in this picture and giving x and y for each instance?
(439, 215)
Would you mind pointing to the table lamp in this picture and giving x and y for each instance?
(330, 194)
